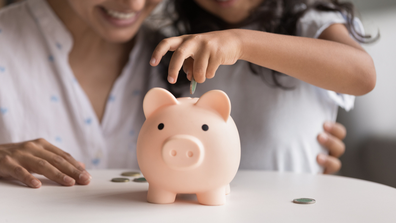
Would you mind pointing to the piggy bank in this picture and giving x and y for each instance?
(188, 146)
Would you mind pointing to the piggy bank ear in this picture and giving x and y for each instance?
(157, 98)
(216, 100)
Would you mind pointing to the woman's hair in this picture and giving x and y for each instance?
(274, 16)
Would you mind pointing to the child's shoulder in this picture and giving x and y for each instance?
(314, 22)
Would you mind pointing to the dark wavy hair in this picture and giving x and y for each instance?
(274, 16)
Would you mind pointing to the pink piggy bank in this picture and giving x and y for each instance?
(188, 146)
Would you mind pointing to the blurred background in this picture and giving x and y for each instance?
(371, 125)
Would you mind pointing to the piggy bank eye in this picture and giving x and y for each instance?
(161, 126)
(205, 127)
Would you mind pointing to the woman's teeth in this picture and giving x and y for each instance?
(120, 15)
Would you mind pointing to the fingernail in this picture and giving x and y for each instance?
(68, 180)
(327, 125)
(152, 61)
(323, 137)
(322, 158)
(171, 80)
(35, 183)
(84, 177)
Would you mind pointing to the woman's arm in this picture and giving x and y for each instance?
(334, 62)
(19, 160)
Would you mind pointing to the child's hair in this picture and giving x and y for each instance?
(274, 16)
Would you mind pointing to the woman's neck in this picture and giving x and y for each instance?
(86, 42)
(95, 62)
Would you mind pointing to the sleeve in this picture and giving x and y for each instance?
(311, 25)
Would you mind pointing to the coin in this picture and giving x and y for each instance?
(304, 201)
(130, 174)
(140, 179)
(120, 179)
(193, 85)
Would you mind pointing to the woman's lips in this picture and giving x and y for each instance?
(119, 19)
(225, 3)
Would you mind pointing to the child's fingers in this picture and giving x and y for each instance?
(214, 63)
(188, 67)
(184, 51)
(169, 44)
(330, 164)
(335, 129)
(200, 66)
(10, 168)
(333, 144)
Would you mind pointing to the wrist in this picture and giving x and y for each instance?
(239, 39)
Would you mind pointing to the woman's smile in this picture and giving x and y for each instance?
(225, 3)
(119, 18)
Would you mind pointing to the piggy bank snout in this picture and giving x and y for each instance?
(182, 152)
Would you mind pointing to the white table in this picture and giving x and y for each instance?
(256, 196)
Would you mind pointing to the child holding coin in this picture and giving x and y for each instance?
(278, 116)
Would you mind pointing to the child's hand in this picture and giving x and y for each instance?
(331, 139)
(39, 156)
(199, 54)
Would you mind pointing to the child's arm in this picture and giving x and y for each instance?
(334, 61)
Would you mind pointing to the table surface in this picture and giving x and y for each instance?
(256, 196)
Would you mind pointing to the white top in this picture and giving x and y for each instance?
(278, 128)
(41, 98)
(256, 197)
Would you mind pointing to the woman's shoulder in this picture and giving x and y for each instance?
(16, 21)
(16, 25)
(14, 14)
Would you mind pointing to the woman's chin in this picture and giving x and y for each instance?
(119, 36)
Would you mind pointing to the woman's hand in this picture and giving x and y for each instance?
(200, 55)
(331, 139)
(39, 156)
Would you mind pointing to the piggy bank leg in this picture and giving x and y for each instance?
(212, 197)
(160, 196)
(227, 189)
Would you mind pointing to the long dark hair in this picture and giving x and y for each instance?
(275, 16)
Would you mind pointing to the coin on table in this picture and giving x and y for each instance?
(120, 179)
(304, 201)
(130, 174)
(140, 179)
